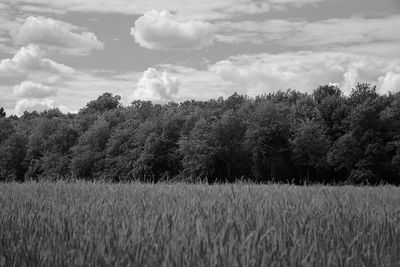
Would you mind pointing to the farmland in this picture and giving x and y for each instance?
(84, 223)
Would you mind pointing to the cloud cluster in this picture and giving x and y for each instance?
(30, 89)
(33, 104)
(304, 71)
(157, 86)
(160, 30)
(390, 81)
(30, 62)
(55, 35)
(35, 96)
(31, 59)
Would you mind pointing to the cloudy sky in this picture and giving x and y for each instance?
(63, 53)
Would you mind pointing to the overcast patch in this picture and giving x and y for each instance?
(30, 89)
(192, 9)
(55, 35)
(156, 86)
(350, 33)
(162, 31)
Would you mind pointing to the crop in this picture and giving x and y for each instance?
(100, 224)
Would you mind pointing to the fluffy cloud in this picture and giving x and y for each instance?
(304, 71)
(32, 104)
(161, 31)
(201, 84)
(30, 59)
(390, 82)
(157, 86)
(30, 89)
(55, 35)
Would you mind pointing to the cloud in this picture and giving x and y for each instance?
(30, 89)
(41, 9)
(389, 82)
(156, 86)
(31, 59)
(346, 32)
(304, 71)
(161, 31)
(33, 104)
(372, 35)
(190, 9)
(55, 35)
(249, 8)
(201, 84)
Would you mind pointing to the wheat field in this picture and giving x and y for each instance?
(100, 224)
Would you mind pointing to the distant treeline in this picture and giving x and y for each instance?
(285, 136)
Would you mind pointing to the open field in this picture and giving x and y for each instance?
(49, 224)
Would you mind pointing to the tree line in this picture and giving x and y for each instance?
(286, 136)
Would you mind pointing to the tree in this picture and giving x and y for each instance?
(390, 118)
(6, 129)
(361, 93)
(106, 103)
(268, 139)
(234, 101)
(200, 150)
(310, 145)
(306, 109)
(2, 113)
(42, 129)
(48, 148)
(89, 154)
(344, 154)
(280, 136)
(334, 112)
(233, 159)
(215, 149)
(103, 103)
(13, 151)
(153, 162)
(326, 91)
(286, 97)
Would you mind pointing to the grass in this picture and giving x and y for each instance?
(95, 224)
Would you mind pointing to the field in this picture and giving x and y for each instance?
(95, 224)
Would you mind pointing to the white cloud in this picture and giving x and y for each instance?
(192, 9)
(161, 31)
(249, 8)
(157, 86)
(42, 9)
(350, 78)
(389, 82)
(201, 84)
(191, 84)
(304, 71)
(31, 59)
(351, 32)
(55, 35)
(30, 89)
(32, 104)
(373, 35)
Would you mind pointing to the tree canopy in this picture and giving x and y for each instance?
(283, 136)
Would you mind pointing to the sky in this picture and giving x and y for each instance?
(64, 53)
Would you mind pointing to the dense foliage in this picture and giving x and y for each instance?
(179, 224)
(284, 136)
